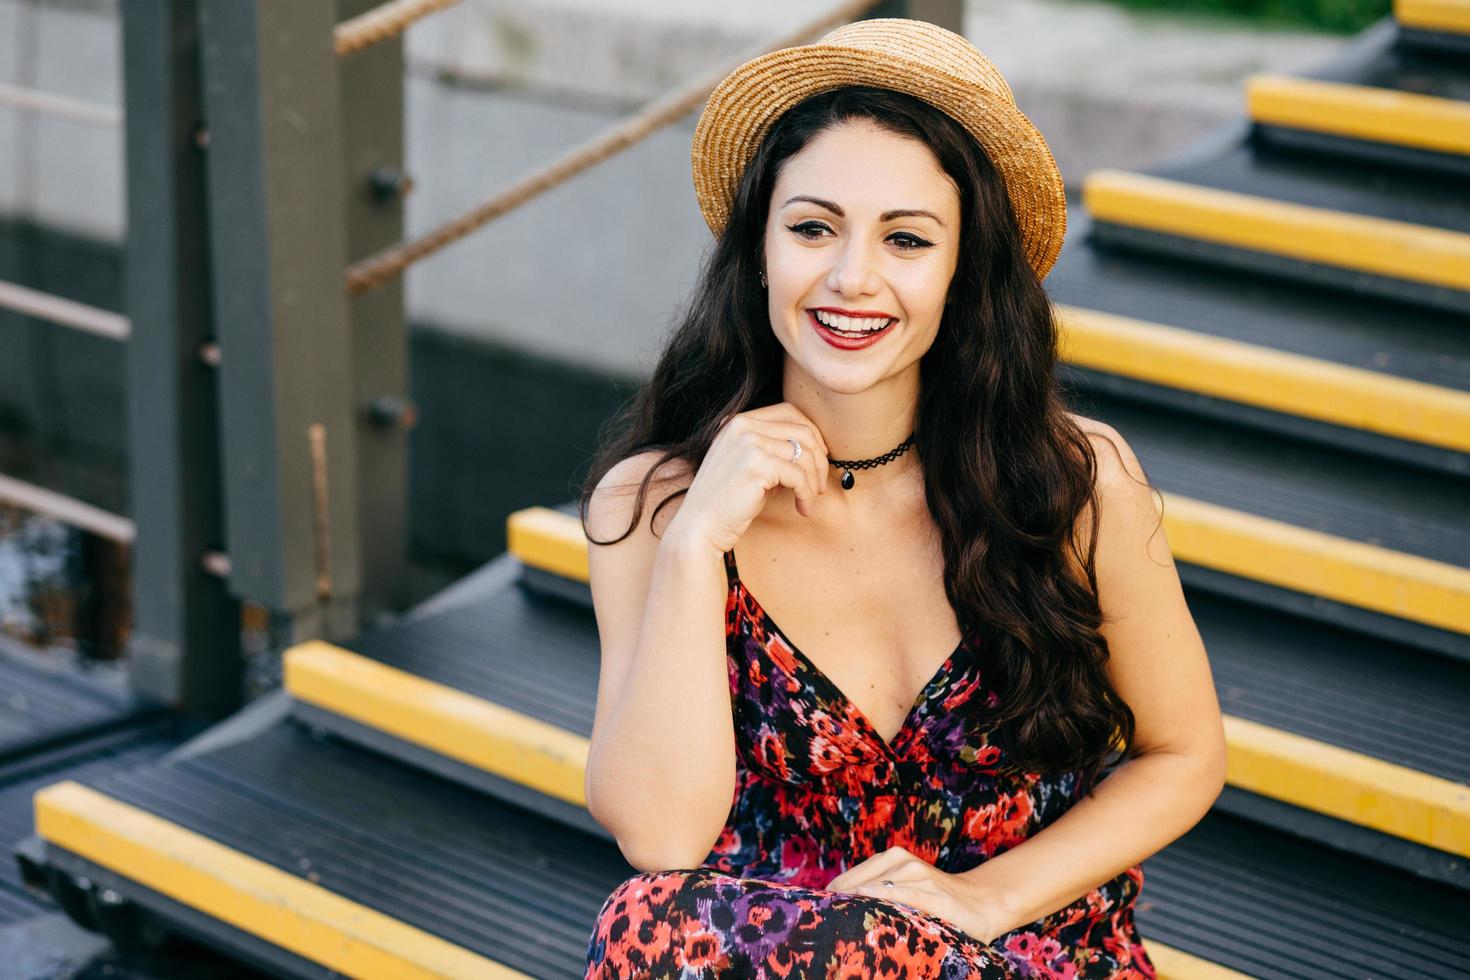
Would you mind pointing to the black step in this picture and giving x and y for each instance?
(1377, 60)
(1252, 167)
(44, 704)
(1366, 333)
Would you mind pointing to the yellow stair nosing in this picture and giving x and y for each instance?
(1448, 16)
(459, 726)
(1314, 775)
(244, 892)
(1346, 784)
(543, 530)
(1364, 243)
(1359, 574)
(1362, 112)
(1292, 384)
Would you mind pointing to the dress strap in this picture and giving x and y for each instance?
(731, 572)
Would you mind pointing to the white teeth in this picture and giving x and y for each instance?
(852, 324)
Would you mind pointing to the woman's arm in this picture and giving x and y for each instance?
(1158, 665)
(661, 766)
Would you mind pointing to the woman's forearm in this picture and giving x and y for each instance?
(1142, 806)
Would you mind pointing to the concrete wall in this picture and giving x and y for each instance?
(67, 175)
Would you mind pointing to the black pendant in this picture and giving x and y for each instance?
(848, 479)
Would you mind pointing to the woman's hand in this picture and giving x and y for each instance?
(749, 457)
(917, 883)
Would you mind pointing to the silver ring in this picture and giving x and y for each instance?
(797, 454)
(887, 882)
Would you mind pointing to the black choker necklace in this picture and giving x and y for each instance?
(848, 465)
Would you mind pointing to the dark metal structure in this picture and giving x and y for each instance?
(268, 410)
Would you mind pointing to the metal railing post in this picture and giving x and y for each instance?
(185, 637)
(278, 245)
(376, 184)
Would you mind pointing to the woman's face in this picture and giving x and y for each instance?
(863, 221)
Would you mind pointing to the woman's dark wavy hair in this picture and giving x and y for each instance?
(1006, 470)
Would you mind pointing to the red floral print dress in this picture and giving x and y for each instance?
(817, 791)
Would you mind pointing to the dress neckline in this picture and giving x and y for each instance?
(819, 676)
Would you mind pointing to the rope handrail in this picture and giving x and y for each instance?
(374, 271)
(68, 510)
(65, 312)
(60, 106)
(382, 22)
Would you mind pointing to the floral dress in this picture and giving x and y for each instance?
(817, 791)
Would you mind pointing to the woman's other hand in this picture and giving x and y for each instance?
(917, 883)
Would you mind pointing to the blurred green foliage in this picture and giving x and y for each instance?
(1337, 16)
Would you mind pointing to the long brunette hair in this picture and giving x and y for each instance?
(1006, 469)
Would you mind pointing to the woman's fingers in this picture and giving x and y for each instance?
(813, 449)
(785, 413)
(801, 474)
(879, 866)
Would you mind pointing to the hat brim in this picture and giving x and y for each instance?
(742, 108)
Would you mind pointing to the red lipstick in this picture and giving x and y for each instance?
(847, 343)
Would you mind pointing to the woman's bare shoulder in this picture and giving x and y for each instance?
(1115, 459)
(615, 497)
(627, 474)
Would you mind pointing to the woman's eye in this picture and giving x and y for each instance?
(811, 230)
(805, 227)
(915, 242)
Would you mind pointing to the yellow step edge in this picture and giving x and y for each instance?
(543, 531)
(1395, 799)
(1175, 964)
(1362, 112)
(1292, 384)
(1365, 575)
(1368, 576)
(251, 895)
(1398, 249)
(1345, 784)
(1450, 16)
(454, 724)
(546, 539)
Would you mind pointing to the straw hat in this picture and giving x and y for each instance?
(911, 56)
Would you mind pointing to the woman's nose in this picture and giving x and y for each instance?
(855, 271)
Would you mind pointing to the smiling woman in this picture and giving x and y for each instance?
(905, 777)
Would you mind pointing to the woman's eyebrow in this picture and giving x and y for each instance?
(885, 216)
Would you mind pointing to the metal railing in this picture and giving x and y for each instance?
(59, 106)
(68, 510)
(63, 312)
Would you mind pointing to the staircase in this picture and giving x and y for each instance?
(1280, 325)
